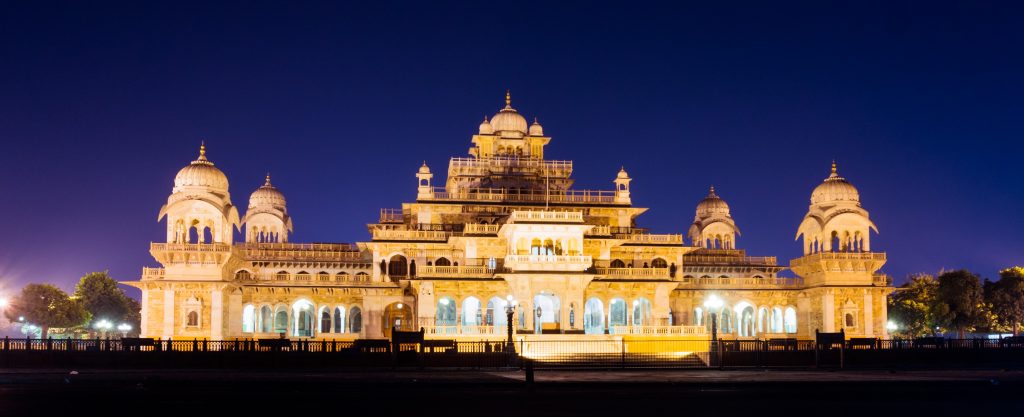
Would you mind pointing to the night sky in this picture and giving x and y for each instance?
(921, 104)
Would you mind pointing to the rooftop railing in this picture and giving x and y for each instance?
(480, 229)
(506, 195)
(190, 247)
(729, 260)
(649, 273)
(838, 256)
(300, 251)
(153, 273)
(428, 235)
(480, 166)
(460, 271)
(546, 216)
(710, 282)
(656, 239)
(391, 215)
(599, 231)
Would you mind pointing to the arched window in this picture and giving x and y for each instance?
(495, 315)
(325, 320)
(616, 312)
(398, 267)
(659, 263)
(790, 320)
(698, 316)
(851, 321)
(339, 320)
(303, 314)
(617, 263)
(776, 326)
(266, 320)
(362, 277)
(593, 316)
(535, 247)
(281, 320)
(248, 319)
(193, 319)
(762, 320)
(747, 322)
(356, 320)
(443, 262)
(281, 276)
(302, 276)
(342, 277)
(243, 275)
(471, 312)
(445, 315)
(323, 276)
(641, 312)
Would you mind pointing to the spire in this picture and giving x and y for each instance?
(711, 192)
(508, 98)
(535, 120)
(485, 118)
(267, 184)
(202, 154)
(834, 171)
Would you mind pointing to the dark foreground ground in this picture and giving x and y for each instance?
(478, 393)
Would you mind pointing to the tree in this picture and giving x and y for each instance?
(912, 306)
(959, 301)
(106, 301)
(47, 306)
(1006, 298)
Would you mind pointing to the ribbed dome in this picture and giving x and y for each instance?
(536, 129)
(712, 204)
(622, 174)
(508, 119)
(834, 189)
(486, 128)
(201, 173)
(424, 169)
(267, 196)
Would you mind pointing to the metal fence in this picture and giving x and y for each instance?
(565, 353)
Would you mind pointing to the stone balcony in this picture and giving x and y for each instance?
(634, 273)
(566, 263)
(300, 252)
(841, 262)
(740, 283)
(460, 271)
(411, 235)
(502, 195)
(190, 253)
(480, 229)
(655, 239)
(150, 274)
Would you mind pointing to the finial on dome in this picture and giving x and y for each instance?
(485, 118)
(267, 183)
(508, 98)
(202, 150)
(535, 120)
(834, 171)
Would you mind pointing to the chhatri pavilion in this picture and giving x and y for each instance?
(506, 228)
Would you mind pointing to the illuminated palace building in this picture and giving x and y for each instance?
(506, 225)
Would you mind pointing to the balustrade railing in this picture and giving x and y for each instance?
(711, 282)
(599, 231)
(462, 166)
(428, 235)
(634, 272)
(454, 271)
(658, 329)
(190, 247)
(729, 260)
(480, 229)
(838, 256)
(300, 251)
(656, 239)
(153, 273)
(506, 195)
(391, 215)
(546, 216)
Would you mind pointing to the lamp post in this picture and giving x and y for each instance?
(713, 303)
(103, 326)
(510, 311)
(124, 328)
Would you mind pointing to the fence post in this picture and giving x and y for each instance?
(7, 344)
(622, 342)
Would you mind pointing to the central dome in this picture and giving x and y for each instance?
(508, 119)
(267, 196)
(712, 204)
(201, 173)
(834, 189)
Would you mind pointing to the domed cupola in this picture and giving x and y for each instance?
(536, 129)
(486, 128)
(508, 122)
(834, 189)
(199, 209)
(267, 219)
(712, 205)
(201, 173)
(713, 226)
(268, 197)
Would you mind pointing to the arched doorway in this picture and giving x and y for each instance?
(545, 312)
(397, 315)
(471, 315)
(495, 315)
(641, 312)
(746, 322)
(616, 313)
(593, 316)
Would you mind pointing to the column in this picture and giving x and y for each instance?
(828, 312)
(143, 326)
(869, 320)
(217, 314)
(168, 313)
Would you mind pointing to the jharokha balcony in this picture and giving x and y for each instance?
(567, 263)
(546, 216)
(411, 235)
(655, 239)
(634, 273)
(459, 271)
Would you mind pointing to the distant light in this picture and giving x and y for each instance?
(3, 302)
(21, 318)
(890, 326)
(124, 327)
(399, 306)
(636, 303)
(510, 298)
(444, 302)
(713, 302)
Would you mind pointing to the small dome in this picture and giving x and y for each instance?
(508, 119)
(424, 169)
(622, 174)
(834, 189)
(267, 196)
(712, 204)
(486, 128)
(201, 173)
(536, 129)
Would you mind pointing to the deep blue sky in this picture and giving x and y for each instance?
(100, 105)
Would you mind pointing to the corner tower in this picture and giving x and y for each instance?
(844, 289)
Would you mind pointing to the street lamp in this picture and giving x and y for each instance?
(510, 311)
(124, 328)
(713, 303)
(103, 326)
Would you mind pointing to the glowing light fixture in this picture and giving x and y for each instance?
(3, 302)
(890, 326)
(713, 302)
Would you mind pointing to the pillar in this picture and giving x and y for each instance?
(168, 331)
(869, 307)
